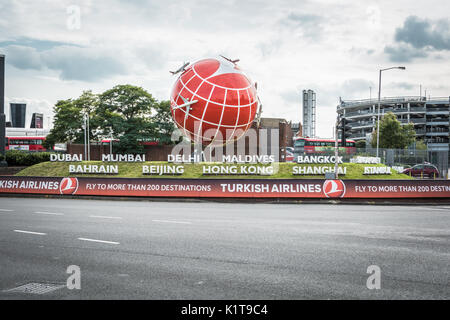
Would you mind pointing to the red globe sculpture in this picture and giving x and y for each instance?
(213, 101)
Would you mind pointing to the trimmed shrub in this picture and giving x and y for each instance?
(20, 158)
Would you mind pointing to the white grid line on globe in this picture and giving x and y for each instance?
(224, 142)
(204, 110)
(217, 129)
(179, 93)
(192, 133)
(193, 68)
(216, 124)
(250, 113)
(237, 118)
(193, 76)
(225, 105)
(221, 115)
(195, 135)
(186, 115)
(178, 96)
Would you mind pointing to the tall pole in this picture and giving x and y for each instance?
(85, 145)
(379, 99)
(3, 163)
(378, 116)
(110, 141)
(88, 140)
(336, 149)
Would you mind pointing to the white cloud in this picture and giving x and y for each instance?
(72, 62)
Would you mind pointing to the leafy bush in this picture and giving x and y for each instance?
(361, 144)
(20, 158)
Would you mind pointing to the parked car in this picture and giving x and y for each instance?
(289, 156)
(424, 170)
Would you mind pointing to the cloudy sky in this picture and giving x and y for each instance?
(57, 49)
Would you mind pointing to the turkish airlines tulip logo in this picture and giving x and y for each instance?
(333, 188)
(68, 186)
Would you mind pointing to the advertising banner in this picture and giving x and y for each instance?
(219, 188)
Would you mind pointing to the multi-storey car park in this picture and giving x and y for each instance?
(430, 117)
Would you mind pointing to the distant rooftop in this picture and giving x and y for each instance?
(347, 103)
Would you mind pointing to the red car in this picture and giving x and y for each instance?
(425, 170)
(289, 154)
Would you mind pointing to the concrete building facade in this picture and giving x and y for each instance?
(17, 115)
(309, 113)
(430, 117)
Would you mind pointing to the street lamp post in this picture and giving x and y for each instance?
(379, 102)
(88, 140)
(110, 140)
(85, 137)
(3, 163)
(336, 148)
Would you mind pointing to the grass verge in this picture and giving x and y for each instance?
(192, 171)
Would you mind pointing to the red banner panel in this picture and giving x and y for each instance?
(219, 188)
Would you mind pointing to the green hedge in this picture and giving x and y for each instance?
(194, 171)
(20, 158)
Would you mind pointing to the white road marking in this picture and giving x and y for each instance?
(31, 232)
(434, 208)
(6, 210)
(105, 217)
(101, 241)
(50, 213)
(172, 221)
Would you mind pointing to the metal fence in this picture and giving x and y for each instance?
(410, 157)
(398, 158)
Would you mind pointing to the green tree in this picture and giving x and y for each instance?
(127, 110)
(163, 123)
(69, 120)
(393, 135)
(420, 145)
(130, 113)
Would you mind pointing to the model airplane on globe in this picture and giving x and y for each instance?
(232, 61)
(186, 104)
(181, 69)
(258, 115)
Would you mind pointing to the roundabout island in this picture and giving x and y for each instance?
(139, 178)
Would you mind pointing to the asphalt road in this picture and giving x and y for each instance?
(174, 250)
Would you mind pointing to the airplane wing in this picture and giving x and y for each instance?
(231, 60)
(181, 69)
(184, 99)
(185, 104)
